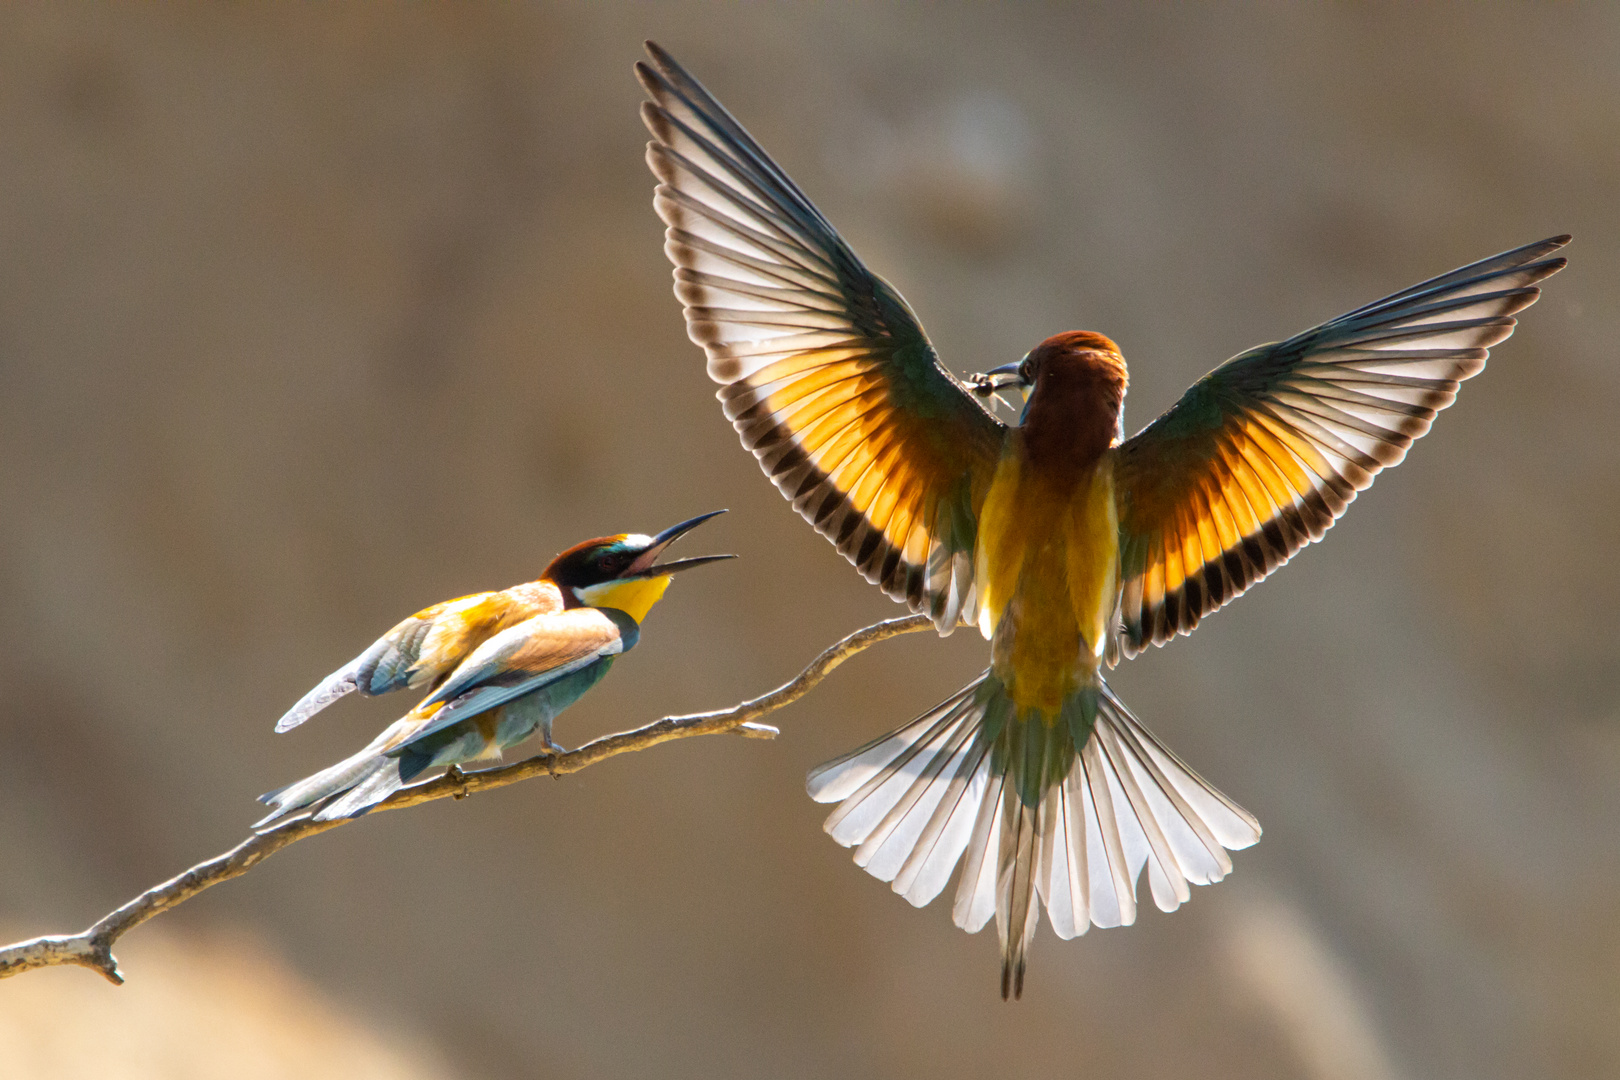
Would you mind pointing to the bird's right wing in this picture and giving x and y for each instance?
(826, 373)
(520, 660)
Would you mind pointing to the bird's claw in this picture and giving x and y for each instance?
(553, 751)
(456, 776)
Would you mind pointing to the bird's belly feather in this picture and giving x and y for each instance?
(1046, 568)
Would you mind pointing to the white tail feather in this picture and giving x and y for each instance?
(913, 802)
(368, 771)
(376, 786)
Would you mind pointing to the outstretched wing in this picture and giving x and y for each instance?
(520, 660)
(1264, 453)
(420, 649)
(826, 374)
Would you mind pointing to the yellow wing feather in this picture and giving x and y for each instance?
(825, 373)
(1265, 452)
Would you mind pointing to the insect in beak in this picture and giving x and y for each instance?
(990, 384)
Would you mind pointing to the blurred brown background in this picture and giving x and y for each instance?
(310, 316)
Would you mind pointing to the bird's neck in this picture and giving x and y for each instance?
(1073, 416)
(634, 597)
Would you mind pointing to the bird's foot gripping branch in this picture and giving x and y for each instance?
(92, 948)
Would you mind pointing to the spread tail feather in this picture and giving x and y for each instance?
(1065, 811)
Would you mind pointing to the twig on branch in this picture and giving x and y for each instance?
(93, 947)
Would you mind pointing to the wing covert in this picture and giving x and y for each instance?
(1264, 453)
(824, 370)
(524, 658)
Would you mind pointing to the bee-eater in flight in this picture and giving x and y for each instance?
(499, 666)
(1062, 541)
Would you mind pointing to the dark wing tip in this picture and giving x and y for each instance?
(1539, 248)
(1541, 271)
(665, 68)
(655, 120)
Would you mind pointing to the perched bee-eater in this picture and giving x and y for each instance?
(1060, 540)
(500, 665)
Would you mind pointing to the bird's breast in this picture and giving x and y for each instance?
(1046, 572)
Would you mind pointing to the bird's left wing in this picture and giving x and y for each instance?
(1264, 453)
(420, 650)
(826, 373)
(523, 658)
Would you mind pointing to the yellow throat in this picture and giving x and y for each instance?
(634, 597)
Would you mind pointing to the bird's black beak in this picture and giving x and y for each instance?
(1005, 377)
(646, 564)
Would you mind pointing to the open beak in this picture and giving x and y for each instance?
(1006, 377)
(999, 378)
(647, 565)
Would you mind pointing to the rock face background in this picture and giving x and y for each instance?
(311, 316)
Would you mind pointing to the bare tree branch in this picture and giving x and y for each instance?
(92, 948)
